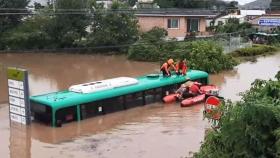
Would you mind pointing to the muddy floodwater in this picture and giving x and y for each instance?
(152, 131)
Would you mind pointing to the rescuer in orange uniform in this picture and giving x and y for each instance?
(165, 68)
(181, 65)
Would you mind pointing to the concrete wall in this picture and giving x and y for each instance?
(202, 25)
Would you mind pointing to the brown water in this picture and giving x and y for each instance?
(152, 131)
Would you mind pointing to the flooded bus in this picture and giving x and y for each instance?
(102, 97)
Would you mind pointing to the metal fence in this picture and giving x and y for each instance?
(229, 41)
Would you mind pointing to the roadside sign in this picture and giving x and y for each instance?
(18, 90)
(211, 105)
(269, 22)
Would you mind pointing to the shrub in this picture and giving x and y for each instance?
(155, 35)
(143, 52)
(208, 56)
(29, 35)
(148, 48)
(201, 55)
(255, 50)
(249, 128)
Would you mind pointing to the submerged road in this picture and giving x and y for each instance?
(152, 131)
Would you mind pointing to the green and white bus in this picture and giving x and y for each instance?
(101, 97)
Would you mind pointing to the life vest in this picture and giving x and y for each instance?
(165, 66)
(194, 89)
(181, 66)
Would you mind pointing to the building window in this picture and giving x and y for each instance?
(173, 23)
(192, 25)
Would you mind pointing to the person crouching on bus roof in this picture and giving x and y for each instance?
(165, 68)
(181, 65)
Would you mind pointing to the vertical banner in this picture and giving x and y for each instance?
(18, 90)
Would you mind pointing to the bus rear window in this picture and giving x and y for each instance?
(41, 113)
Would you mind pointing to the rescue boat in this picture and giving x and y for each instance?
(193, 100)
(207, 90)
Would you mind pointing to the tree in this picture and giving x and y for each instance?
(232, 7)
(10, 20)
(112, 28)
(68, 25)
(166, 3)
(31, 34)
(275, 5)
(132, 2)
(155, 35)
(11, 6)
(38, 6)
(232, 25)
(207, 4)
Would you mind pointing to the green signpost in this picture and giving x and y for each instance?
(18, 95)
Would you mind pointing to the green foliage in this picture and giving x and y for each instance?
(66, 30)
(255, 50)
(202, 55)
(274, 5)
(209, 4)
(69, 25)
(112, 29)
(155, 35)
(232, 25)
(208, 56)
(29, 35)
(248, 128)
(131, 2)
(10, 21)
(166, 3)
(148, 47)
(144, 52)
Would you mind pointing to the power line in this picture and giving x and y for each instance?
(226, 35)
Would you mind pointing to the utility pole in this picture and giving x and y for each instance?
(53, 4)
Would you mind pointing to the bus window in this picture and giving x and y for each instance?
(112, 104)
(41, 113)
(169, 89)
(153, 95)
(90, 109)
(66, 115)
(158, 93)
(134, 99)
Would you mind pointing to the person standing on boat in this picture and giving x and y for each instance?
(181, 65)
(188, 89)
(165, 68)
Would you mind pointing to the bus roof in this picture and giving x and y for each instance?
(62, 99)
